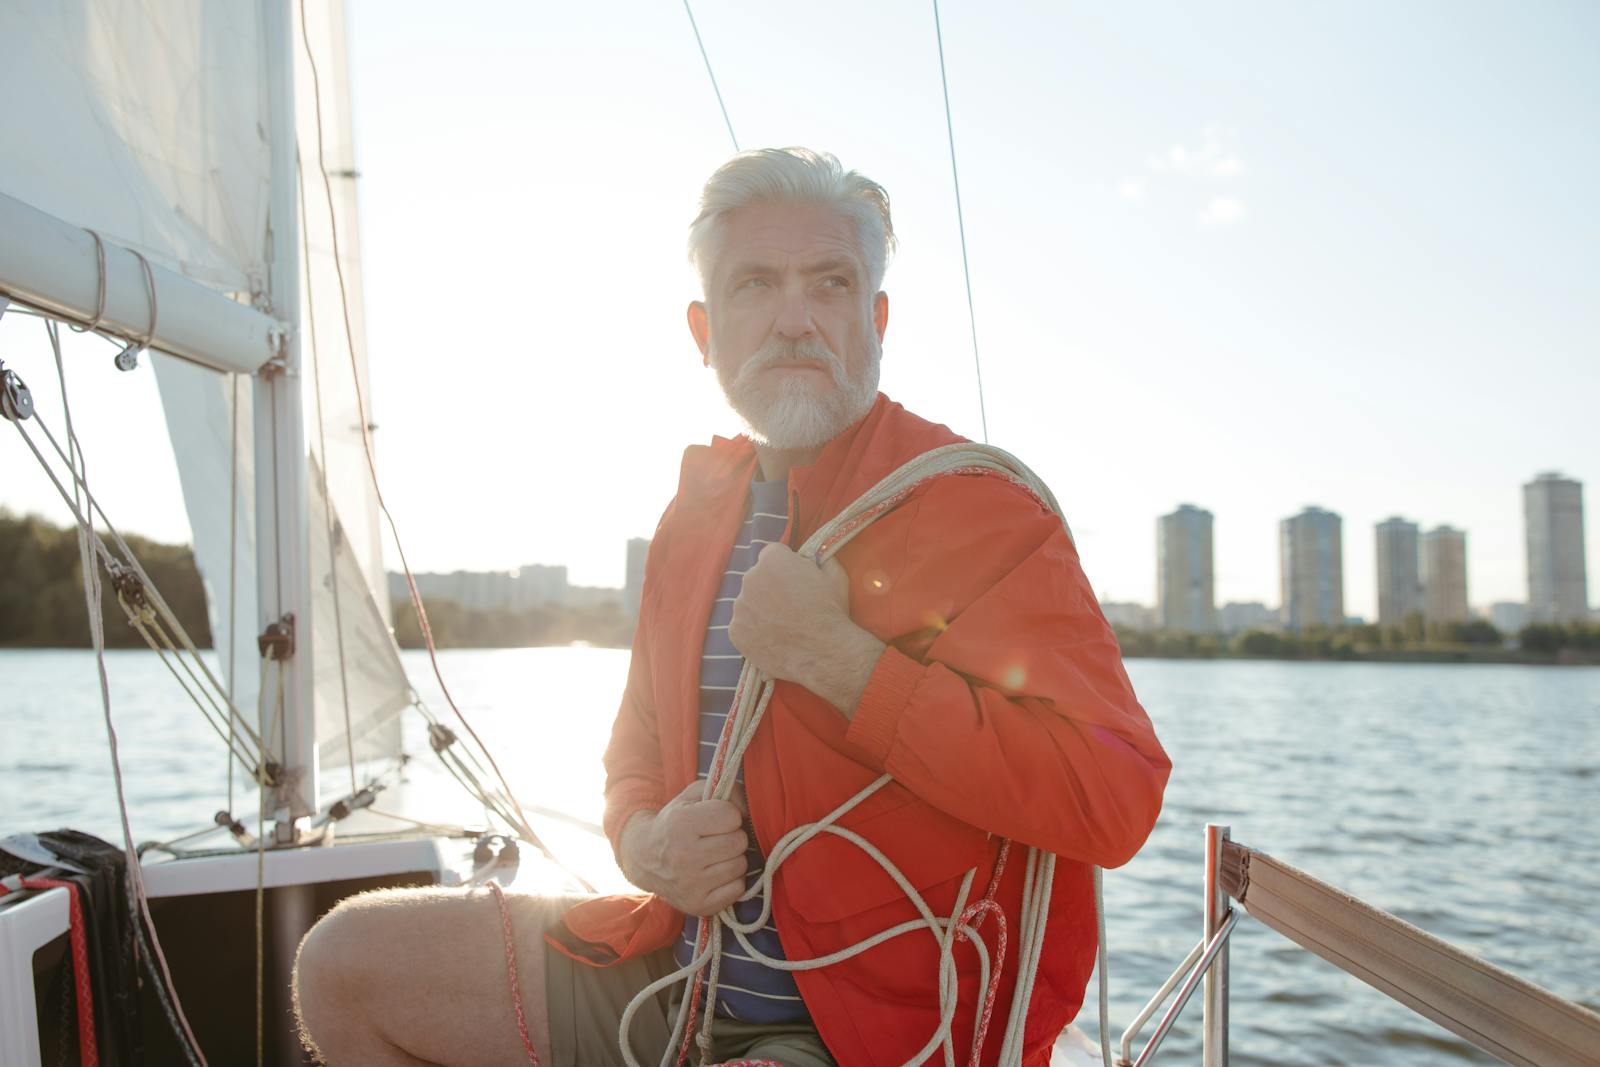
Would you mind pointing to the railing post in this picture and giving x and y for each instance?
(1215, 1019)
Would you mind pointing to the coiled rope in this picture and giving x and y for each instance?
(751, 698)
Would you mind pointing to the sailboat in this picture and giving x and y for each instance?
(193, 202)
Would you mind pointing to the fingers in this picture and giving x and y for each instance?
(720, 847)
(724, 896)
(727, 871)
(711, 817)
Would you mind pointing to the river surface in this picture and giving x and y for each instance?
(1462, 798)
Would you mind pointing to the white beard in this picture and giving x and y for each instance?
(798, 411)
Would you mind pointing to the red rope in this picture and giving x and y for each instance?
(979, 911)
(701, 941)
(88, 1048)
(511, 969)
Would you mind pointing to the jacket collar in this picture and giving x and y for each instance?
(848, 465)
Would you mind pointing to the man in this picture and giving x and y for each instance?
(954, 644)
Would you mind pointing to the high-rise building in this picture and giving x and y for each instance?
(1311, 566)
(633, 582)
(1444, 575)
(1185, 594)
(1558, 586)
(1399, 578)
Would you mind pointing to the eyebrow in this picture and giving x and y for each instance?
(827, 265)
(833, 265)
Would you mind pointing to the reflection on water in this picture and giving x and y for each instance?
(1460, 798)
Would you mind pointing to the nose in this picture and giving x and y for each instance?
(794, 313)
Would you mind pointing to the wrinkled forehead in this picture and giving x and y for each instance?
(782, 236)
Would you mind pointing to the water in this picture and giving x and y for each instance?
(1462, 798)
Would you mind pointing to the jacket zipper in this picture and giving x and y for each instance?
(791, 533)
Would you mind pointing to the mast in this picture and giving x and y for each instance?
(282, 520)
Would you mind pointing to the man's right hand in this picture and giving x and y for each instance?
(691, 853)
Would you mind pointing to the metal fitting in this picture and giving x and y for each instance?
(16, 402)
(277, 641)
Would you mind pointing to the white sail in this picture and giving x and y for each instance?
(149, 123)
(338, 396)
(358, 667)
(204, 409)
(142, 121)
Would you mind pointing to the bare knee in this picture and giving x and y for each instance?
(338, 967)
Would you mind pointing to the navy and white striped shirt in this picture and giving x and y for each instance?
(745, 989)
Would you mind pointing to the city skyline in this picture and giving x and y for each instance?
(1421, 576)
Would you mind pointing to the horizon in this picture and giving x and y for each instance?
(1479, 608)
(1375, 287)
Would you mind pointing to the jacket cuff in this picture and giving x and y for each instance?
(877, 717)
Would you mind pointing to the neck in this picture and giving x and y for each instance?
(776, 463)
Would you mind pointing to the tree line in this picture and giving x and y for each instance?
(42, 604)
(41, 588)
(1476, 641)
(453, 626)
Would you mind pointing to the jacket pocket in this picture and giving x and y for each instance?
(830, 878)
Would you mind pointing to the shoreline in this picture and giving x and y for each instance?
(1436, 657)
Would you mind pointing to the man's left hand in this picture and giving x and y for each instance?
(792, 620)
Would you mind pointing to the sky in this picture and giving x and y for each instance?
(1251, 256)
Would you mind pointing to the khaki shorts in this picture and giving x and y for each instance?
(585, 1006)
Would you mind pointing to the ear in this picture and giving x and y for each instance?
(880, 313)
(700, 327)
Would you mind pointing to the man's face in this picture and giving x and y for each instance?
(789, 325)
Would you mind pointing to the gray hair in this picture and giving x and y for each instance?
(794, 176)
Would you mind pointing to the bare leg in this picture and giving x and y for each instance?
(418, 976)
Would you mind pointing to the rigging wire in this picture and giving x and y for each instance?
(130, 563)
(955, 179)
(233, 559)
(138, 902)
(711, 74)
(523, 826)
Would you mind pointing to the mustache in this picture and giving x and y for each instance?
(792, 350)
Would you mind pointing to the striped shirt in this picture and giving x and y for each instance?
(745, 989)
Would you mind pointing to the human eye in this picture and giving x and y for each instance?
(836, 281)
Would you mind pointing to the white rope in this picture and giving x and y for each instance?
(752, 695)
(1103, 964)
(100, 287)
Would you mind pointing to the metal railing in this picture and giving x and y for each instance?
(1484, 1005)
(1208, 960)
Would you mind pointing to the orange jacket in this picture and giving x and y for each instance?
(1000, 708)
